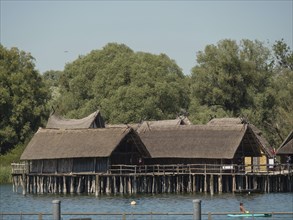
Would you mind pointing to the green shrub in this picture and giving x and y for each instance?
(12, 156)
(5, 174)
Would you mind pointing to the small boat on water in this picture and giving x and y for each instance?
(250, 215)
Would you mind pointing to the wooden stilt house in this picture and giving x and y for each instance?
(200, 144)
(257, 163)
(82, 150)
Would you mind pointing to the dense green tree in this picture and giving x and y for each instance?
(23, 97)
(283, 55)
(282, 89)
(52, 81)
(52, 77)
(126, 86)
(229, 76)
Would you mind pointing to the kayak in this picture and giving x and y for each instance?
(250, 215)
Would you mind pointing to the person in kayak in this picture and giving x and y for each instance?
(242, 209)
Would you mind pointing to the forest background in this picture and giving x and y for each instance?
(231, 79)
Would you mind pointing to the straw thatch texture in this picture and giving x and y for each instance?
(225, 121)
(146, 125)
(91, 121)
(194, 141)
(79, 143)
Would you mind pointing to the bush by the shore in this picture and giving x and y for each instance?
(5, 163)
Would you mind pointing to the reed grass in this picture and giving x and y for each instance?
(12, 156)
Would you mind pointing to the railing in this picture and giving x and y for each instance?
(172, 169)
(201, 169)
(19, 168)
(135, 215)
(23, 168)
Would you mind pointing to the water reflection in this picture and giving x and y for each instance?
(226, 202)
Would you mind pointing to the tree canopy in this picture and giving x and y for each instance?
(126, 86)
(244, 80)
(23, 97)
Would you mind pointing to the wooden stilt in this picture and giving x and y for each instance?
(205, 183)
(212, 184)
(233, 183)
(72, 185)
(220, 184)
(121, 184)
(134, 185)
(97, 187)
(24, 185)
(64, 185)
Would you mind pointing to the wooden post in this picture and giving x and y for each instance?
(177, 184)
(30, 182)
(200, 183)
(164, 184)
(205, 183)
(102, 184)
(153, 185)
(121, 185)
(134, 185)
(55, 184)
(169, 184)
(108, 185)
(194, 184)
(254, 182)
(93, 187)
(220, 184)
(24, 184)
(38, 184)
(42, 184)
(72, 185)
(233, 183)
(64, 185)
(124, 184)
(114, 185)
(97, 183)
(60, 186)
(268, 186)
(79, 185)
(212, 184)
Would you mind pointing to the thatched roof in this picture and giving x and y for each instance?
(287, 145)
(94, 120)
(264, 144)
(146, 125)
(225, 121)
(77, 143)
(199, 141)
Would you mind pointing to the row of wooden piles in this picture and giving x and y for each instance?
(131, 184)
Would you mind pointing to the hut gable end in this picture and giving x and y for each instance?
(286, 147)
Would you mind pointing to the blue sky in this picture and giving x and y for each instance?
(179, 29)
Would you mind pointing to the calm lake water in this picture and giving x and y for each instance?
(226, 202)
